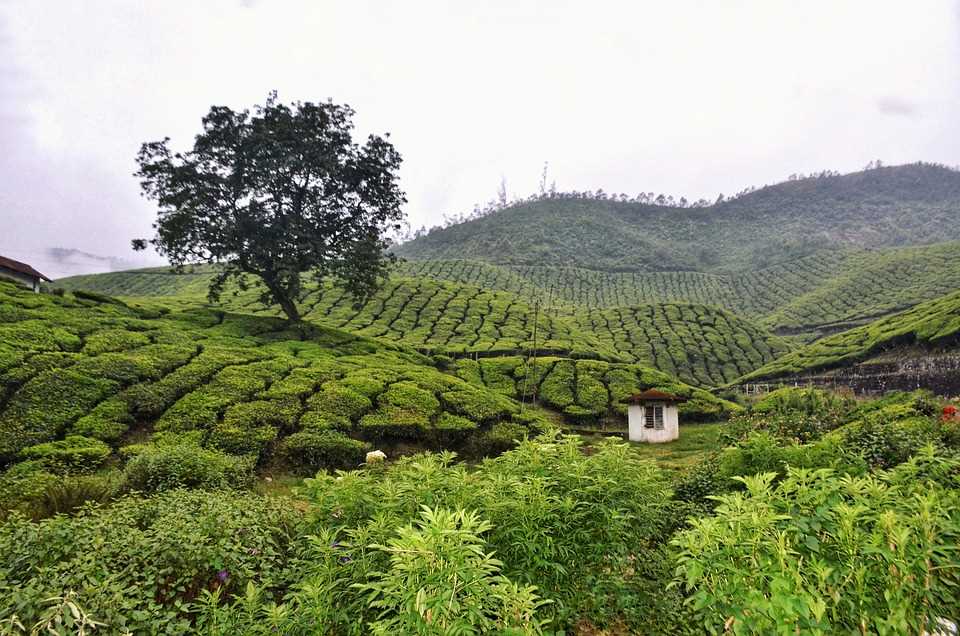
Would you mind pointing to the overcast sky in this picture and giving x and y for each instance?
(690, 98)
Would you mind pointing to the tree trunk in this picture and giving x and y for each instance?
(289, 307)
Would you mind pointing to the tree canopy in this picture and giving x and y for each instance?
(276, 193)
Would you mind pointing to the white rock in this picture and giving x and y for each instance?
(376, 456)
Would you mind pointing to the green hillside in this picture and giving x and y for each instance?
(932, 324)
(903, 205)
(699, 344)
(805, 295)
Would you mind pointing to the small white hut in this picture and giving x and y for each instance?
(652, 416)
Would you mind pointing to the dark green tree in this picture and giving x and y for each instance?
(277, 193)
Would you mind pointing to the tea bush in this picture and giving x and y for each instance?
(74, 453)
(157, 467)
(309, 451)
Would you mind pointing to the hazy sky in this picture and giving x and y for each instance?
(690, 98)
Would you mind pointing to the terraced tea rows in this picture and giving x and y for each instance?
(802, 296)
(701, 345)
(698, 344)
(243, 384)
(586, 391)
(935, 323)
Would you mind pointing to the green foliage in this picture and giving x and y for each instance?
(396, 422)
(74, 453)
(157, 468)
(339, 400)
(441, 580)
(568, 522)
(22, 484)
(407, 395)
(823, 554)
(309, 451)
(477, 405)
(136, 564)
(311, 146)
(46, 405)
(931, 323)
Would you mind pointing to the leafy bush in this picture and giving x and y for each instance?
(107, 421)
(157, 468)
(441, 580)
(501, 437)
(450, 429)
(407, 395)
(818, 553)
(74, 453)
(571, 523)
(392, 421)
(69, 493)
(310, 451)
(114, 340)
(45, 406)
(22, 484)
(884, 442)
(480, 406)
(136, 564)
(336, 399)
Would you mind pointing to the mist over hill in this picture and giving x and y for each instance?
(913, 204)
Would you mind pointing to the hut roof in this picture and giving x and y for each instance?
(23, 268)
(655, 395)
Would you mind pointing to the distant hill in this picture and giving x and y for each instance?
(914, 204)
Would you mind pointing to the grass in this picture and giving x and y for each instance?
(696, 441)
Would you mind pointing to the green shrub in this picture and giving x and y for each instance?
(363, 383)
(309, 451)
(441, 580)
(137, 564)
(157, 468)
(408, 396)
(114, 340)
(761, 452)
(235, 440)
(557, 389)
(107, 421)
(501, 437)
(819, 553)
(23, 483)
(885, 442)
(43, 408)
(477, 405)
(69, 493)
(584, 528)
(392, 421)
(339, 400)
(450, 429)
(75, 453)
(318, 421)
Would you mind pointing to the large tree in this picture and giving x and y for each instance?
(276, 193)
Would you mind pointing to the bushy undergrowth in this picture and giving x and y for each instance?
(822, 553)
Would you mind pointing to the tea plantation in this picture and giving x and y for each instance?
(699, 344)
(931, 324)
(170, 465)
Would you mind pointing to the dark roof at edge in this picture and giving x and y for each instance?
(23, 268)
(653, 394)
